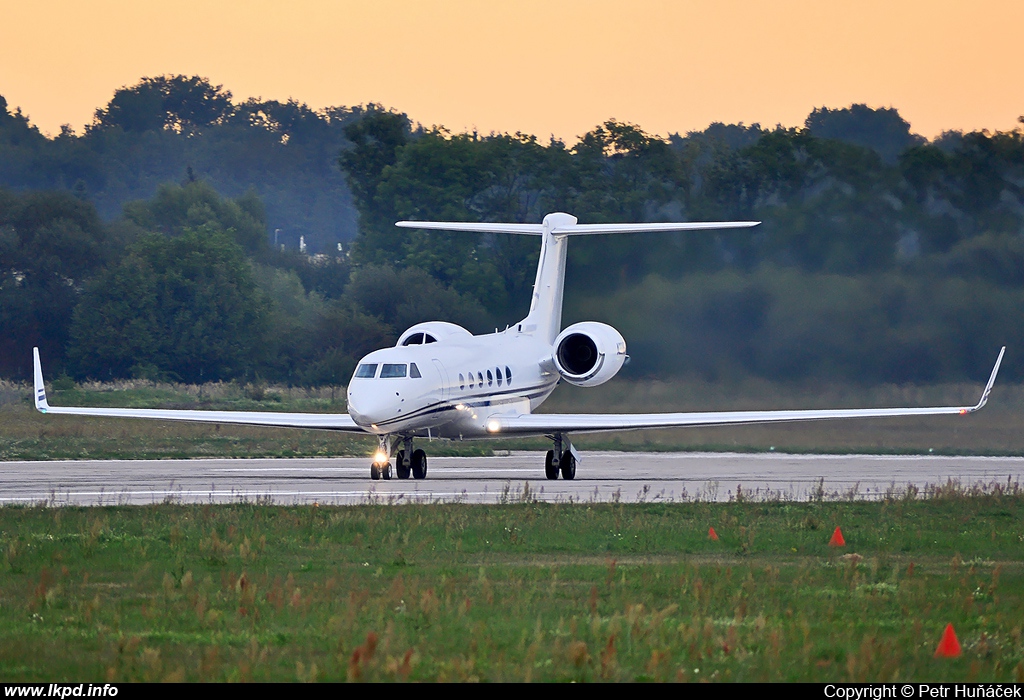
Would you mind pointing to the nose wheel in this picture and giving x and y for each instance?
(380, 468)
(380, 471)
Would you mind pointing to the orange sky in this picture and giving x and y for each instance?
(543, 67)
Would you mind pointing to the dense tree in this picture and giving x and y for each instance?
(880, 256)
(183, 307)
(882, 130)
(176, 128)
(177, 103)
(50, 243)
(193, 205)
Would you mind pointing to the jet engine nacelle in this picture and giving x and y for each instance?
(589, 353)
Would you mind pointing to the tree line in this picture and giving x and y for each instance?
(881, 257)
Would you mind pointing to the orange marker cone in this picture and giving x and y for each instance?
(712, 535)
(949, 647)
(837, 539)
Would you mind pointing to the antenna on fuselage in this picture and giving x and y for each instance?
(545, 317)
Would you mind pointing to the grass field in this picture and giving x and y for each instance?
(516, 592)
(998, 430)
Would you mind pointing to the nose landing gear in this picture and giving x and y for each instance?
(381, 465)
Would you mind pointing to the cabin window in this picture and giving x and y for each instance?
(427, 338)
(490, 378)
(414, 339)
(414, 371)
(392, 371)
(497, 374)
(480, 378)
(462, 381)
(471, 382)
(508, 376)
(366, 371)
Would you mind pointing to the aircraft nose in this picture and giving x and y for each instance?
(369, 406)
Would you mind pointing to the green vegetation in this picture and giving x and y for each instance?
(882, 257)
(513, 592)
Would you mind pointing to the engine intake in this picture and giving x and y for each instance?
(589, 353)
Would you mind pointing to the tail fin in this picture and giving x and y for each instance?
(545, 317)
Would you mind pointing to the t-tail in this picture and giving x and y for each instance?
(545, 317)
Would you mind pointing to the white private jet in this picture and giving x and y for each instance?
(441, 381)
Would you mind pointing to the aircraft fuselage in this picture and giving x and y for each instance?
(464, 381)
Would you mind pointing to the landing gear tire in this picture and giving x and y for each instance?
(419, 464)
(375, 472)
(550, 469)
(385, 471)
(380, 471)
(403, 471)
(568, 466)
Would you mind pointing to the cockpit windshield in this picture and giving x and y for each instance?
(392, 371)
(366, 371)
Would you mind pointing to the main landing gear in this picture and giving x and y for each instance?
(559, 460)
(407, 460)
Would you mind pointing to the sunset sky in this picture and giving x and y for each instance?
(551, 67)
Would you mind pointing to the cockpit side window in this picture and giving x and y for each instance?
(392, 371)
(414, 371)
(366, 371)
(414, 339)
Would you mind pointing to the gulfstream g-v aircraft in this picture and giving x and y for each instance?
(441, 381)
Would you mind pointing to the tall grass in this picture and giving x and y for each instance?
(517, 592)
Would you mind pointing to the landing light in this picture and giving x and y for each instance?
(380, 457)
(493, 426)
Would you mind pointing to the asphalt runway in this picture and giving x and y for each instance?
(601, 477)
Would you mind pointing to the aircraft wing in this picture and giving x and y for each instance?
(319, 421)
(544, 423)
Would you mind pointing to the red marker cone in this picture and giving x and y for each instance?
(712, 535)
(837, 539)
(949, 647)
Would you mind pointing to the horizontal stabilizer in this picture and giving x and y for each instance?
(528, 229)
(591, 229)
(575, 229)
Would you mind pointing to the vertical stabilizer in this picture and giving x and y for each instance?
(545, 317)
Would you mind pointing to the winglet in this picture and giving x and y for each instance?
(40, 390)
(991, 381)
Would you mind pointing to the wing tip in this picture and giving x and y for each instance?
(991, 382)
(38, 386)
